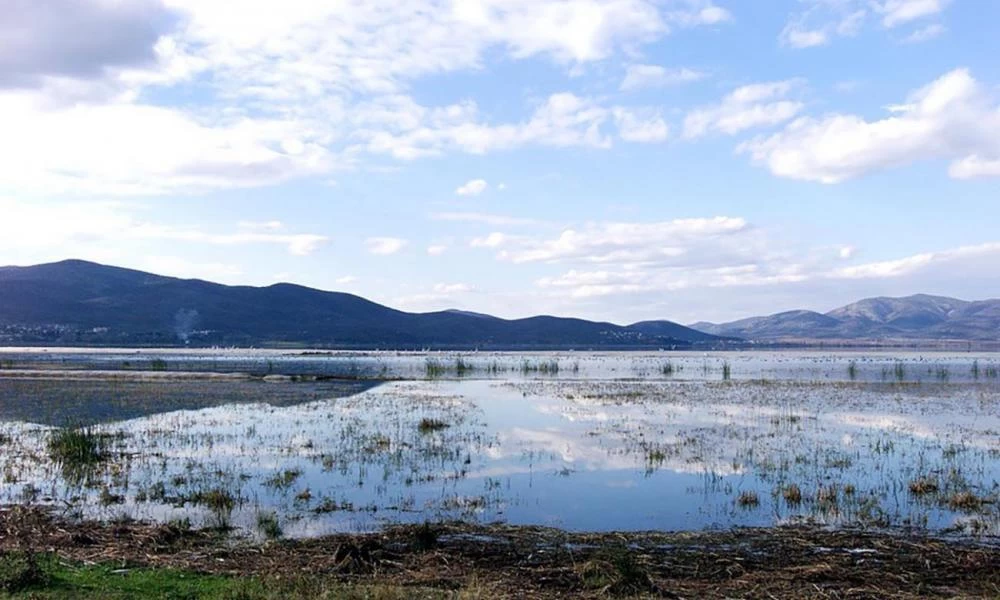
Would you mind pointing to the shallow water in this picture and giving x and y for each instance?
(607, 442)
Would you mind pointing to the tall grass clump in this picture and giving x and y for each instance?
(670, 368)
(727, 371)
(899, 370)
(268, 525)
(434, 369)
(975, 369)
(852, 370)
(463, 367)
(78, 447)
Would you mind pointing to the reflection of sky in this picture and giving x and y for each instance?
(576, 454)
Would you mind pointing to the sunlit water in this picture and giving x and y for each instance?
(602, 442)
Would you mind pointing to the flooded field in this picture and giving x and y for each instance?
(305, 444)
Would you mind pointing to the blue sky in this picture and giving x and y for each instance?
(610, 159)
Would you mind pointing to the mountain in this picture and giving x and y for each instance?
(918, 317)
(78, 302)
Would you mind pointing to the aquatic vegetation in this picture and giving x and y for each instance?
(792, 494)
(430, 425)
(923, 486)
(268, 525)
(505, 441)
(284, 479)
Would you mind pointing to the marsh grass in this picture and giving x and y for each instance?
(284, 479)
(78, 450)
(852, 370)
(434, 368)
(792, 494)
(727, 371)
(463, 367)
(616, 573)
(748, 499)
(430, 425)
(965, 501)
(269, 526)
(923, 486)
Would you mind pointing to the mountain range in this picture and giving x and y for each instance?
(78, 303)
(917, 317)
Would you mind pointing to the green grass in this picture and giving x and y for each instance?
(50, 578)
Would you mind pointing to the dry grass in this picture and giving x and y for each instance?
(520, 562)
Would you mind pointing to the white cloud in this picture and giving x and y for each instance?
(822, 21)
(282, 94)
(641, 126)
(925, 34)
(898, 12)
(951, 118)
(384, 246)
(261, 225)
(473, 187)
(452, 288)
(747, 107)
(798, 33)
(108, 149)
(974, 166)
(652, 76)
(436, 250)
(493, 240)
(615, 242)
(346, 280)
(847, 252)
(28, 224)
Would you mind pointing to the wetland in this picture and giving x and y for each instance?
(270, 445)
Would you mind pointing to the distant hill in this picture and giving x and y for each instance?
(78, 302)
(918, 317)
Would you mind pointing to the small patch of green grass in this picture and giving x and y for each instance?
(20, 571)
(53, 579)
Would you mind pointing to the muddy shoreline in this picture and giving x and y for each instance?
(532, 562)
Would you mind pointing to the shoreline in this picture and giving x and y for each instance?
(498, 561)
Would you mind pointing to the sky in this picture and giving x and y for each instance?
(617, 160)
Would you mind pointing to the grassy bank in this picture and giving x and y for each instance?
(42, 556)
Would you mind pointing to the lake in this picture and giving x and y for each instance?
(335, 442)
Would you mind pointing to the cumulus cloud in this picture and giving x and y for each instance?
(436, 249)
(953, 118)
(77, 39)
(473, 187)
(641, 76)
(384, 246)
(307, 89)
(131, 149)
(747, 107)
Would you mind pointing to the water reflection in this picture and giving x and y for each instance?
(583, 455)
